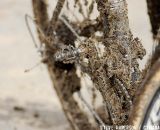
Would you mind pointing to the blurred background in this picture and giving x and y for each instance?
(28, 100)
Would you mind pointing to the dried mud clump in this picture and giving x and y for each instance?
(111, 59)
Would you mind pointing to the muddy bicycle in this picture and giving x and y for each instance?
(103, 47)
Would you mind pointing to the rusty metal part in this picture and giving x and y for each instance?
(64, 77)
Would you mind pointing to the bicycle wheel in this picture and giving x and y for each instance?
(146, 111)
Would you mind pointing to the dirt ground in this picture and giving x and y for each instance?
(27, 100)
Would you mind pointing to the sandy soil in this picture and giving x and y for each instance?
(27, 100)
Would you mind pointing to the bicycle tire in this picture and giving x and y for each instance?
(146, 98)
